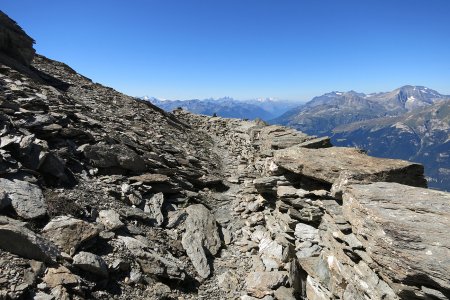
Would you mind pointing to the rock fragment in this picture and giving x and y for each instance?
(201, 238)
(110, 219)
(24, 242)
(260, 284)
(91, 263)
(69, 233)
(153, 207)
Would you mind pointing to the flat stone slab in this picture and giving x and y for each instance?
(327, 164)
(405, 230)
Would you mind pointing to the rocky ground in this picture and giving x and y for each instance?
(104, 196)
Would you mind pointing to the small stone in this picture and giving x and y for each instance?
(228, 281)
(260, 284)
(69, 233)
(110, 219)
(135, 276)
(60, 276)
(106, 235)
(91, 263)
(153, 207)
(227, 237)
(284, 293)
(43, 296)
(161, 290)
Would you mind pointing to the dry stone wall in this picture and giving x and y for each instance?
(341, 224)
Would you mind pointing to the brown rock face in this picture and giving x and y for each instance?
(327, 164)
(69, 233)
(392, 221)
(14, 42)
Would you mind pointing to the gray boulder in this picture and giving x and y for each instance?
(26, 198)
(25, 243)
(91, 263)
(201, 238)
(110, 219)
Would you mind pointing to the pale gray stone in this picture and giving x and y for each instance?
(91, 263)
(26, 198)
(110, 219)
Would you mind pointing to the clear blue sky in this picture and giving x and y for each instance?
(288, 49)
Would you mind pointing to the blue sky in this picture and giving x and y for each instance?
(288, 49)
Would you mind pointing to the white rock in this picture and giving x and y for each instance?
(110, 219)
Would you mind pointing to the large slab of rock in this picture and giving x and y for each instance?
(405, 230)
(279, 137)
(151, 178)
(201, 238)
(69, 233)
(26, 198)
(25, 243)
(327, 164)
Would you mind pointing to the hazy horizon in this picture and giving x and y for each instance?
(293, 50)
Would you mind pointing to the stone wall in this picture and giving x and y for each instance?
(341, 224)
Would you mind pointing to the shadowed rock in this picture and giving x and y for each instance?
(14, 42)
(24, 242)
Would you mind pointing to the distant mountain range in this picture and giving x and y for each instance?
(411, 122)
(227, 107)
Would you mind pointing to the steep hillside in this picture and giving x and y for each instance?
(105, 196)
(422, 136)
(322, 114)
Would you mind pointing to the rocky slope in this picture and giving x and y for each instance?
(103, 196)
